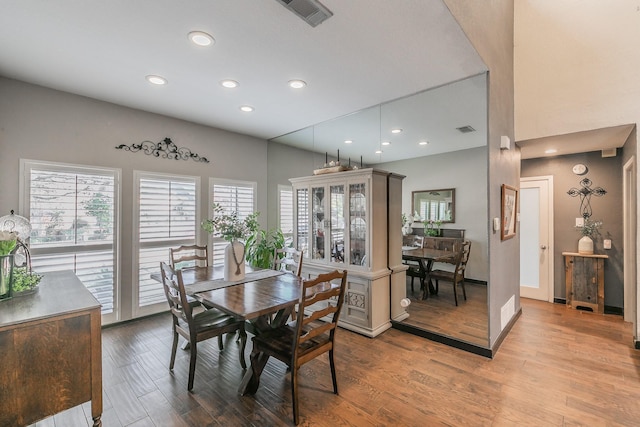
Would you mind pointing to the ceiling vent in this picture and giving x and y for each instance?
(466, 129)
(311, 11)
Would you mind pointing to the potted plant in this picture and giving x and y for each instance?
(232, 229)
(261, 246)
(588, 229)
(24, 281)
(432, 228)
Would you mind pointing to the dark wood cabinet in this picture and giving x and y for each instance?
(50, 351)
(584, 279)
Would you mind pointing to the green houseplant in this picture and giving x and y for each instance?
(261, 245)
(25, 281)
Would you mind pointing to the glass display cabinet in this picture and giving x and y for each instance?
(340, 219)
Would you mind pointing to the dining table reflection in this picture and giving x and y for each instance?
(425, 258)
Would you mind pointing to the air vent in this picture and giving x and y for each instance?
(466, 129)
(311, 11)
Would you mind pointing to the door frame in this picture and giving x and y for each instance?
(629, 200)
(550, 245)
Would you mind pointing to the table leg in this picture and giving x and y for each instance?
(251, 379)
(426, 265)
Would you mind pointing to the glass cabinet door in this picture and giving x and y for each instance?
(317, 222)
(357, 224)
(337, 199)
(302, 221)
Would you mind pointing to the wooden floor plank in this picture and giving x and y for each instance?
(557, 367)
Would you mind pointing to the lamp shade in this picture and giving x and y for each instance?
(17, 224)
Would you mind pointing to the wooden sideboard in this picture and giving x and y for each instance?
(584, 280)
(50, 351)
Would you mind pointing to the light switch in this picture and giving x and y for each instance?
(607, 243)
(496, 224)
(579, 222)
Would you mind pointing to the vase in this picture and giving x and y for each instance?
(406, 230)
(234, 255)
(6, 276)
(585, 245)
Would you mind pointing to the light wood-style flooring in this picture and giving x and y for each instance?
(557, 367)
(469, 321)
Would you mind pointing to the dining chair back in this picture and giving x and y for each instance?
(195, 326)
(312, 334)
(189, 256)
(456, 275)
(287, 259)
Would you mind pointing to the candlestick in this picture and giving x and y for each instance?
(360, 162)
(338, 155)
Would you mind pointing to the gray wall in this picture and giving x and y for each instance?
(43, 124)
(466, 171)
(605, 173)
(489, 26)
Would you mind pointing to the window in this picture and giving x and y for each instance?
(285, 211)
(166, 217)
(73, 213)
(233, 196)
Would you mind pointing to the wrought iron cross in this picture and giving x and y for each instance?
(585, 194)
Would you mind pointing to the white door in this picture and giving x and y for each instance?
(536, 238)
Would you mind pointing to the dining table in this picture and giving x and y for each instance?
(265, 298)
(425, 258)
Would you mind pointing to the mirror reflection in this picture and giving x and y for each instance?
(435, 150)
(434, 205)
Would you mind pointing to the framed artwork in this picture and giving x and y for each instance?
(508, 212)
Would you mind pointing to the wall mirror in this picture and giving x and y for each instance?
(435, 205)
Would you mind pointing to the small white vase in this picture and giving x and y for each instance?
(585, 245)
(234, 262)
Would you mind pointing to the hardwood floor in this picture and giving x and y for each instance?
(469, 321)
(557, 367)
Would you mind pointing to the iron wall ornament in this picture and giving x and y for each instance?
(165, 149)
(585, 194)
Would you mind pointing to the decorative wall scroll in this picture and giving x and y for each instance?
(165, 149)
(585, 194)
(508, 212)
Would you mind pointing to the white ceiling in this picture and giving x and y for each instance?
(369, 52)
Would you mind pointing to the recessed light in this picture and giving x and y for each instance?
(229, 83)
(397, 130)
(423, 142)
(550, 151)
(246, 108)
(156, 80)
(348, 141)
(297, 84)
(201, 38)
(378, 151)
(385, 143)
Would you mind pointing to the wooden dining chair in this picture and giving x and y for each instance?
(189, 256)
(456, 275)
(298, 342)
(195, 327)
(287, 259)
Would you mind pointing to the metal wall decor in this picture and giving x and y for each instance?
(585, 194)
(165, 149)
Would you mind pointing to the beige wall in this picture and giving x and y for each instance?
(44, 124)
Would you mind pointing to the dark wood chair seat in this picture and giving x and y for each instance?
(311, 335)
(196, 327)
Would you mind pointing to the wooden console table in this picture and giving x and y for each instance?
(584, 280)
(50, 351)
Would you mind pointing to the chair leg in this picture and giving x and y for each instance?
(412, 290)
(294, 394)
(455, 292)
(243, 343)
(174, 347)
(192, 365)
(464, 292)
(220, 344)
(333, 372)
